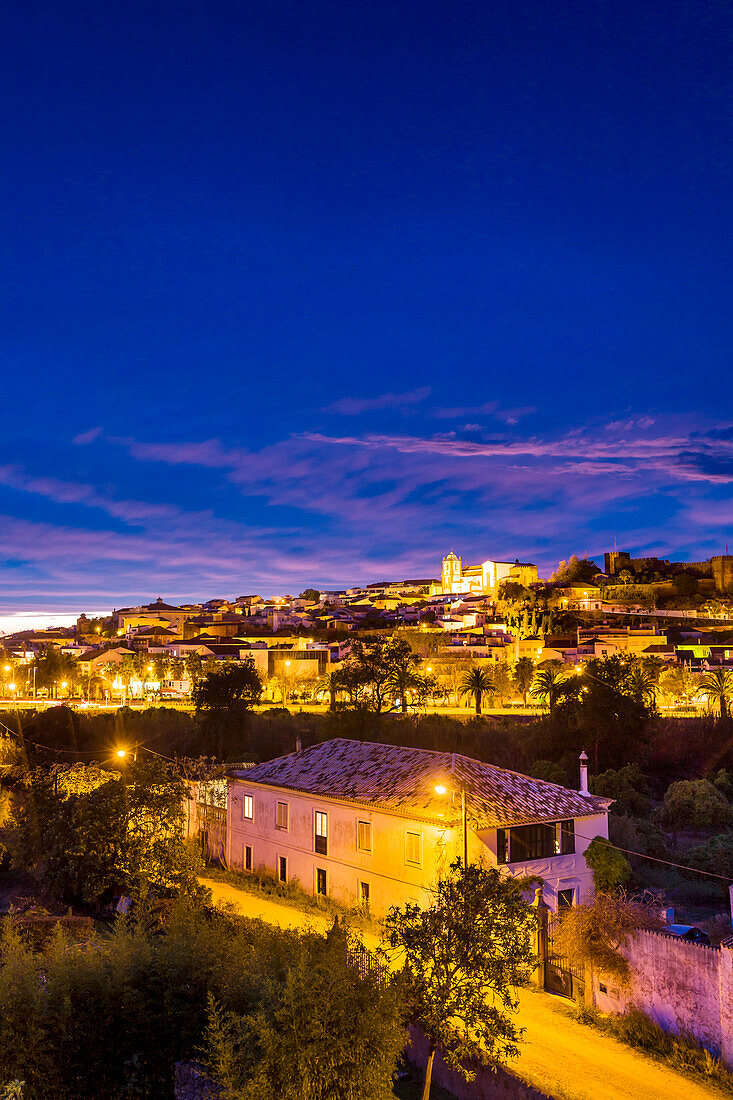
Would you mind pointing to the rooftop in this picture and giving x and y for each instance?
(404, 780)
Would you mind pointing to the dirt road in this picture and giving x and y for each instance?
(564, 1058)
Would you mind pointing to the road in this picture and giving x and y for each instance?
(560, 1056)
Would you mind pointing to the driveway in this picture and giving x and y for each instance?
(560, 1056)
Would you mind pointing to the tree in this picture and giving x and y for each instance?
(718, 686)
(327, 1032)
(223, 697)
(610, 867)
(641, 685)
(595, 933)
(679, 683)
(548, 685)
(93, 834)
(463, 958)
(523, 673)
(477, 682)
(403, 676)
(628, 787)
(330, 682)
(310, 594)
(694, 804)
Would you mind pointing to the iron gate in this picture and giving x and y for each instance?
(564, 976)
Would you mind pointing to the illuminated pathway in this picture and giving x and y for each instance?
(558, 1055)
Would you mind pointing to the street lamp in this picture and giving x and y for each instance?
(440, 789)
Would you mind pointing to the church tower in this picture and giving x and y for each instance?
(452, 571)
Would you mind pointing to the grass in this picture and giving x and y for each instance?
(261, 883)
(680, 1052)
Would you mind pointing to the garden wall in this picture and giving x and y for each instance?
(487, 1085)
(684, 987)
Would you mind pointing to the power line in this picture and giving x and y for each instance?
(657, 859)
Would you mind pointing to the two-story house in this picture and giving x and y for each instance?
(376, 825)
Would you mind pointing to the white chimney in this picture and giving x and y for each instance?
(583, 773)
(298, 743)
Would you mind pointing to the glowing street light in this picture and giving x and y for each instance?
(441, 789)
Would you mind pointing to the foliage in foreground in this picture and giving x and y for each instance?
(326, 1032)
(91, 835)
(110, 1018)
(463, 958)
(680, 1052)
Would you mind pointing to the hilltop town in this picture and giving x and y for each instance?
(676, 617)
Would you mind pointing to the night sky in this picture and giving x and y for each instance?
(310, 293)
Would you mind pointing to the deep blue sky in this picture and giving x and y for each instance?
(308, 293)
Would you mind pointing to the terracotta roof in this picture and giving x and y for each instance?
(404, 780)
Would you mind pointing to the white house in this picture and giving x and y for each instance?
(377, 825)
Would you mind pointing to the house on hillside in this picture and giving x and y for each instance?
(376, 825)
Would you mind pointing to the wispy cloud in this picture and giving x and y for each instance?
(489, 408)
(354, 406)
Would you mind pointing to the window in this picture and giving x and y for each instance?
(281, 819)
(502, 845)
(320, 881)
(566, 829)
(412, 848)
(282, 868)
(364, 836)
(364, 894)
(565, 898)
(248, 857)
(321, 827)
(528, 842)
(247, 807)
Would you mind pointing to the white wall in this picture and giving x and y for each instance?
(392, 881)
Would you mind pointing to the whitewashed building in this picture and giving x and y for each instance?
(376, 825)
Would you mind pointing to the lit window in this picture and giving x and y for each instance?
(412, 848)
(247, 807)
(281, 819)
(364, 836)
(321, 833)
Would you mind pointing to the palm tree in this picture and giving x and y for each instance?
(718, 685)
(477, 682)
(331, 682)
(641, 684)
(523, 676)
(547, 686)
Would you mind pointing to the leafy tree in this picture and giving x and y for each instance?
(463, 958)
(717, 686)
(628, 787)
(523, 674)
(477, 682)
(694, 804)
(595, 933)
(91, 834)
(222, 698)
(715, 856)
(610, 868)
(327, 1032)
(679, 683)
(310, 594)
(513, 591)
(369, 667)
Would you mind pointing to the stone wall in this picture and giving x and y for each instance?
(487, 1085)
(684, 987)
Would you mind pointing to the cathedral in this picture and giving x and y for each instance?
(484, 579)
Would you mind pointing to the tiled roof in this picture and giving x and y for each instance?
(404, 780)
